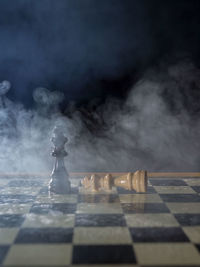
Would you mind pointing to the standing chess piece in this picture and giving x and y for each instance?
(59, 183)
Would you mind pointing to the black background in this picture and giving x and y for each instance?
(89, 48)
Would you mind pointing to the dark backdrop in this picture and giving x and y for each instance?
(91, 48)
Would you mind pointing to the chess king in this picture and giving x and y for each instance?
(59, 182)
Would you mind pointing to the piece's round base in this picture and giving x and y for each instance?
(133, 181)
(139, 181)
(59, 187)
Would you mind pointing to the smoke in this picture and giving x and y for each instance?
(148, 131)
(69, 45)
(153, 129)
(25, 134)
(76, 45)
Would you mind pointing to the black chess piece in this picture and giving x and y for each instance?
(59, 183)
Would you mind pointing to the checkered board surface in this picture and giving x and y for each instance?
(117, 228)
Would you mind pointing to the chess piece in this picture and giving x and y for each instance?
(59, 183)
(96, 183)
(92, 183)
(132, 181)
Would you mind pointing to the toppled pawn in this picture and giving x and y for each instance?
(59, 183)
(131, 181)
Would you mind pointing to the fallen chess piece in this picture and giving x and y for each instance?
(132, 181)
(96, 183)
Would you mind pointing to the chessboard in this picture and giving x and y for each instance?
(117, 228)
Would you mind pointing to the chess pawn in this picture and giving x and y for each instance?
(130, 181)
(59, 183)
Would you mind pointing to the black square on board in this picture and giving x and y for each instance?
(144, 208)
(100, 198)
(103, 254)
(196, 188)
(3, 252)
(150, 190)
(66, 208)
(198, 247)
(45, 208)
(42, 208)
(44, 235)
(180, 197)
(11, 220)
(188, 219)
(167, 182)
(98, 220)
(158, 234)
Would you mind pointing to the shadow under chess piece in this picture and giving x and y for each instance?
(132, 181)
(59, 183)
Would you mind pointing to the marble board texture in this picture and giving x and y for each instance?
(118, 228)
